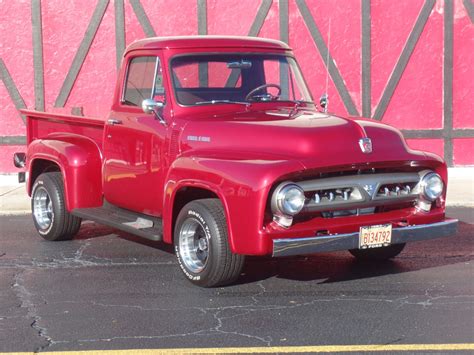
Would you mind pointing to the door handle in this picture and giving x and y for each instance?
(114, 121)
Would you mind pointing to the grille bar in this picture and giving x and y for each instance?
(360, 191)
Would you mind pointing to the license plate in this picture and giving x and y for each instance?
(375, 236)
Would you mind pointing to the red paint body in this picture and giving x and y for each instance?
(140, 165)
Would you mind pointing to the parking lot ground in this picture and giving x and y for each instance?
(108, 291)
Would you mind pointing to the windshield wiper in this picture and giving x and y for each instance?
(212, 102)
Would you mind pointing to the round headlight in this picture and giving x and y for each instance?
(290, 199)
(432, 186)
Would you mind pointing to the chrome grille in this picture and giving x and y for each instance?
(334, 195)
(355, 192)
(400, 189)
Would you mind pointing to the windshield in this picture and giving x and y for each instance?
(237, 78)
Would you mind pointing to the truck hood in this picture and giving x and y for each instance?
(312, 138)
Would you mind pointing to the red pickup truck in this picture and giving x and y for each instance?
(214, 144)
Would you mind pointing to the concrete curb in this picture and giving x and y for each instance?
(14, 199)
(460, 187)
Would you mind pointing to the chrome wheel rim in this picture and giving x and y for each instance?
(193, 245)
(42, 208)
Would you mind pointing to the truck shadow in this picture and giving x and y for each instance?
(341, 266)
(92, 230)
(325, 268)
(330, 267)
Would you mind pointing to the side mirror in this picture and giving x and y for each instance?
(323, 102)
(150, 105)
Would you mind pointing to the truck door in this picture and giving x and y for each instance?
(134, 141)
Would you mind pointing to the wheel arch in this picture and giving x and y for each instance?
(185, 192)
(39, 166)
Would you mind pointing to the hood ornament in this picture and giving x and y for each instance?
(365, 145)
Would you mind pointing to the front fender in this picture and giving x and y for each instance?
(241, 185)
(80, 161)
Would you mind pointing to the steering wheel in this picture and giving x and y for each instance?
(258, 88)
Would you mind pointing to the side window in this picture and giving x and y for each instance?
(141, 82)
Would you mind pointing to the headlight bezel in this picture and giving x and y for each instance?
(279, 206)
(425, 185)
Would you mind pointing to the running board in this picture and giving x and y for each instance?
(144, 226)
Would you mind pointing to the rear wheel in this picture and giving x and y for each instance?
(378, 253)
(202, 247)
(50, 216)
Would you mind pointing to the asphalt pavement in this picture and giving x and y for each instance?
(109, 290)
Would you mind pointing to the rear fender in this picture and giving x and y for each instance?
(80, 162)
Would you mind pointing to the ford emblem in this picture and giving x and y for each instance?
(365, 145)
(370, 188)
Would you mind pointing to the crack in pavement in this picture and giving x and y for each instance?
(64, 264)
(218, 317)
(26, 297)
(216, 313)
(78, 260)
(26, 301)
(221, 317)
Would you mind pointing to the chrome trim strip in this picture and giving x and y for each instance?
(124, 82)
(299, 246)
(153, 90)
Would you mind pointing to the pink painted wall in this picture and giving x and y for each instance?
(417, 103)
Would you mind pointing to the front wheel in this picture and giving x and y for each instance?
(50, 216)
(202, 246)
(384, 253)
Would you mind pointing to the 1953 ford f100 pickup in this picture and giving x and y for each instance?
(214, 144)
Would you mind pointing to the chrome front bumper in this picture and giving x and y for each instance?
(300, 246)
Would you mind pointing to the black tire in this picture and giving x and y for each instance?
(50, 216)
(203, 253)
(384, 253)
